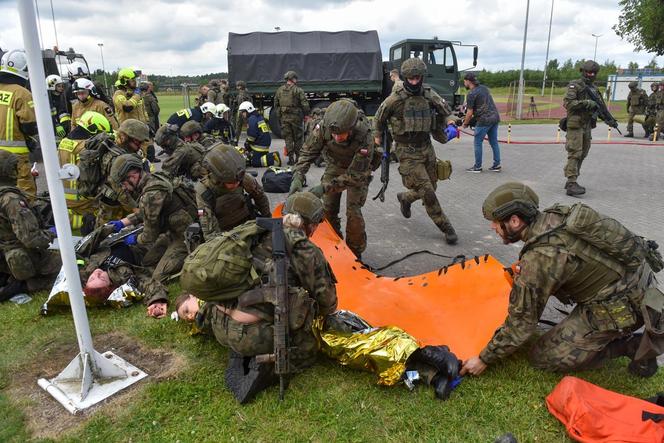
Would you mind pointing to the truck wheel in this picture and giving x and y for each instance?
(273, 121)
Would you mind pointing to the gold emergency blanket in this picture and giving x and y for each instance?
(383, 351)
(123, 296)
(459, 306)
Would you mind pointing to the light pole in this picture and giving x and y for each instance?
(519, 102)
(597, 36)
(103, 67)
(546, 58)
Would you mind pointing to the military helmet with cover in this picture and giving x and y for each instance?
(166, 136)
(290, 75)
(511, 198)
(225, 164)
(589, 66)
(340, 116)
(135, 129)
(190, 128)
(8, 168)
(241, 84)
(412, 67)
(122, 165)
(306, 205)
(632, 85)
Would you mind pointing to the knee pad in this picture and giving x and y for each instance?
(20, 264)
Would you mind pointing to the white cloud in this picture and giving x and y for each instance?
(190, 37)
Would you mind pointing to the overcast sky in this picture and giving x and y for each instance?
(178, 37)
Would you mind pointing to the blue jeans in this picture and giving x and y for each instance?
(492, 132)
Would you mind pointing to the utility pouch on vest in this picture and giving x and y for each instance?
(652, 309)
(611, 315)
(300, 306)
(443, 169)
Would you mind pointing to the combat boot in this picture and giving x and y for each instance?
(450, 234)
(574, 189)
(404, 204)
(629, 134)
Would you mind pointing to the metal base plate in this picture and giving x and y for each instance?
(77, 388)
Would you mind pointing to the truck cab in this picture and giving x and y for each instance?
(441, 60)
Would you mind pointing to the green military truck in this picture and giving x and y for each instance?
(332, 65)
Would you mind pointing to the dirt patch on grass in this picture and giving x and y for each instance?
(46, 418)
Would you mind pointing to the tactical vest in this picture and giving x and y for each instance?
(341, 154)
(287, 97)
(637, 101)
(230, 207)
(417, 115)
(180, 196)
(608, 251)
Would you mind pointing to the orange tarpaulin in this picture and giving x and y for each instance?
(460, 306)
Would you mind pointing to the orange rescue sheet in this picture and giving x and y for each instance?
(460, 308)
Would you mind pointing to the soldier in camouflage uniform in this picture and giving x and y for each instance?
(637, 100)
(113, 202)
(241, 97)
(559, 258)
(184, 159)
(659, 106)
(580, 122)
(249, 331)
(165, 207)
(292, 105)
(151, 104)
(414, 111)
(192, 132)
(651, 111)
(227, 197)
(345, 140)
(317, 115)
(26, 263)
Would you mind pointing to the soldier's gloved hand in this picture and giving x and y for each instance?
(117, 225)
(60, 131)
(53, 231)
(318, 190)
(296, 185)
(131, 240)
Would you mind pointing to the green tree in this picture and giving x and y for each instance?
(640, 23)
(652, 64)
(632, 66)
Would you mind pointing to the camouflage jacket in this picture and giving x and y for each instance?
(555, 263)
(578, 115)
(354, 156)
(110, 193)
(19, 225)
(207, 140)
(160, 210)
(637, 101)
(186, 160)
(651, 109)
(393, 111)
(151, 105)
(221, 209)
(291, 102)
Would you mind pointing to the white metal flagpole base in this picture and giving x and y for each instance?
(80, 385)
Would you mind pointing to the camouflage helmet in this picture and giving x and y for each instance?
(509, 199)
(290, 75)
(316, 112)
(589, 66)
(8, 167)
(190, 128)
(306, 205)
(241, 84)
(412, 67)
(340, 116)
(166, 136)
(122, 165)
(632, 85)
(135, 129)
(225, 164)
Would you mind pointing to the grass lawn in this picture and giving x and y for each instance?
(168, 104)
(326, 403)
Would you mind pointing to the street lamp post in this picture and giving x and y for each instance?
(597, 36)
(103, 67)
(546, 58)
(519, 101)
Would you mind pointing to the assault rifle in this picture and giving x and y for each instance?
(279, 283)
(602, 111)
(384, 169)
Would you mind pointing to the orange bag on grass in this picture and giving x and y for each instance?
(594, 414)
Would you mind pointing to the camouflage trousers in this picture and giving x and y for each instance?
(580, 341)
(356, 197)
(659, 120)
(417, 166)
(171, 261)
(38, 268)
(258, 338)
(630, 121)
(649, 124)
(238, 125)
(292, 132)
(577, 147)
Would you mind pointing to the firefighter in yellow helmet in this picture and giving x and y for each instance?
(127, 99)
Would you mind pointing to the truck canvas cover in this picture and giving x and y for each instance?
(262, 58)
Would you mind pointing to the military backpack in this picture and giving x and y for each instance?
(91, 177)
(223, 268)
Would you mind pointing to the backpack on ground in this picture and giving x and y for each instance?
(277, 179)
(91, 176)
(223, 268)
